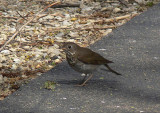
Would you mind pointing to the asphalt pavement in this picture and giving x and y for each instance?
(135, 50)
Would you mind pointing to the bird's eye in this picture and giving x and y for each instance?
(69, 47)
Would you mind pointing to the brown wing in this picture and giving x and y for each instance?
(89, 57)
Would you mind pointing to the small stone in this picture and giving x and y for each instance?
(51, 54)
(2, 8)
(115, 4)
(39, 74)
(4, 36)
(116, 10)
(38, 66)
(37, 55)
(50, 17)
(54, 58)
(67, 15)
(71, 40)
(24, 76)
(12, 30)
(135, 4)
(50, 50)
(44, 54)
(2, 42)
(20, 39)
(26, 47)
(16, 60)
(107, 9)
(57, 61)
(140, 1)
(56, 52)
(156, 58)
(53, 50)
(74, 19)
(66, 23)
(106, 32)
(73, 34)
(103, 101)
(130, 9)
(2, 58)
(59, 35)
(5, 52)
(36, 32)
(14, 67)
(5, 79)
(104, 9)
(58, 18)
(96, 5)
(56, 46)
(1, 79)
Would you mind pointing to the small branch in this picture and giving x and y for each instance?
(33, 17)
(65, 5)
(10, 17)
(43, 15)
(81, 29)
(111, 1)
(21, 15)
(123, 2)
(98, 28)
(119, 18)
(125, 16)
(89, 28)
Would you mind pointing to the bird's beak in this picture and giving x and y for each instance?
(63, 49)
(61, 45)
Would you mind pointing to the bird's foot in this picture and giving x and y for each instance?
(81, 85)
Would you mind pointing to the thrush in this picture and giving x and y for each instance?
(84, 60)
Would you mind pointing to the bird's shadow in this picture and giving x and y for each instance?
(118, 85)
(116, 88)
(91, 82)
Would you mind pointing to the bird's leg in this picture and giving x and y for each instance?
(83, 79)
(84, 83)
(112, 70)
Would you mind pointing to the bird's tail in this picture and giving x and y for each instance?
(110, 69)
(108, 61)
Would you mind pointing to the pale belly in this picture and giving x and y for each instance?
(83, 68)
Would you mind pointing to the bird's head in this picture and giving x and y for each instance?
(69, 47)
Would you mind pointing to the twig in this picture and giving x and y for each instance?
(43, 15)
(21, 15)
(125, 16)
(119, 18)
(66, 5)
(111, 1)
(123, 2)
(90, 28)
(80, 28)
(33, 17)
(10, 17)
